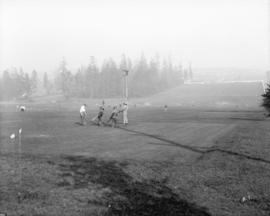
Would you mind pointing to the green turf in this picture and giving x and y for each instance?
(152, 133)
(179, 162)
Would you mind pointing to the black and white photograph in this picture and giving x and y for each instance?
(134, 107)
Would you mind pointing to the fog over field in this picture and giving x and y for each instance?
(37, 34)
(134, 107)
(120, 49)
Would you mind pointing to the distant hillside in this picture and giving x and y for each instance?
(226, 74)
(234, 95)
(223, 95)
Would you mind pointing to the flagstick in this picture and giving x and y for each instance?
(126, 78)
(125, 87)
(20, 153)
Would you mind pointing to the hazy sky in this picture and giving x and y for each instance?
(209, 33)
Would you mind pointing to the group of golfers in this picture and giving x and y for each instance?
(112, 121)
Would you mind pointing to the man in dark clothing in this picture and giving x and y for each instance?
(113, 117)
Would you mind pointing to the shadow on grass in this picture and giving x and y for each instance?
(172, 143)
(127, 196)
(238, 154)
(78, 123)
(201, 150)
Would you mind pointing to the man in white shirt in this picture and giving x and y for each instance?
(125, 109)
(83, 114)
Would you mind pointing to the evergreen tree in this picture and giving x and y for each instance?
(180, 74)
(14, 84)
(185, 74)
(91, 76)
(78, 82)
(26, 84)
(164, 81)
(110, 79)
(1, 89)
(46, 83)
(190, 72)
(145, 78)
(64, 79)
(21, 83)
(153, 76)
(139, 82)
(34, 81)
(6, 86)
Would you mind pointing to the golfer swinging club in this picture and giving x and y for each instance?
(113, 117)
(98, 119)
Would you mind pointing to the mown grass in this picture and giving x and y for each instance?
(211, 184)
(76, 185)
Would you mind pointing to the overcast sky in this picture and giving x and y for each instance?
(36, 34)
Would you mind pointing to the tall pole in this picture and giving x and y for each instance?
(124, 88)
(126, 80)
(126, 85)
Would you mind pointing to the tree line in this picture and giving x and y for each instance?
(145, 77)
(16, 83)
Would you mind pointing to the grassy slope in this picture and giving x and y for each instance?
(238, 166)
(215, 95)
(211, 95)
(73, 185)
